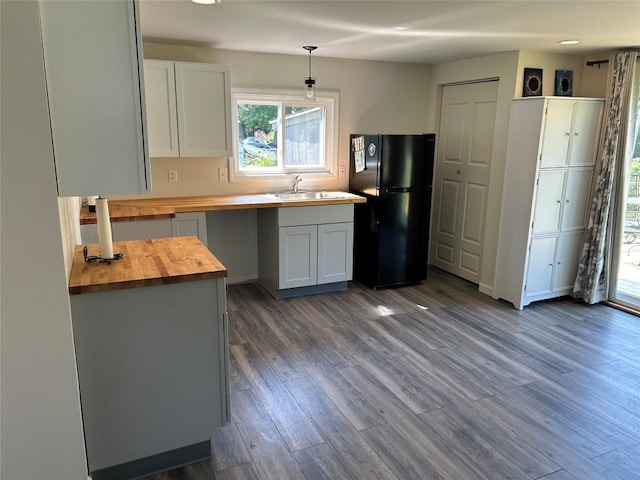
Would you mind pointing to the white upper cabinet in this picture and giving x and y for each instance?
(160, 91)
(188, 109)
(569, 132)
(93, 64)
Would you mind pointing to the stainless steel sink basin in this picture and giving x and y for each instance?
(307, 195)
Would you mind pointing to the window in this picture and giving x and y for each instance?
(278, 132)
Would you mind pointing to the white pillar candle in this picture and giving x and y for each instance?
(104, 228)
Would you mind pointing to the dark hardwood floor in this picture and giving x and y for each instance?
(434, 381)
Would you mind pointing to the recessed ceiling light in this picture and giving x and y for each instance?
(568, 42)
(206, 2)
(400, 28)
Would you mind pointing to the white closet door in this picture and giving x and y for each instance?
(548, 202)
(461, 183)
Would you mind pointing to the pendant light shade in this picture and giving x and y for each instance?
(310, 82)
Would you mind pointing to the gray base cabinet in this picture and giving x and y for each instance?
(152, 369)
(305, 247)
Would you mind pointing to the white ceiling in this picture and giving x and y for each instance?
(436, 31)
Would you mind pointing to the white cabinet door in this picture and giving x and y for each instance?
(576, 198)
(204, 109)
(548, 202)
(586, 126)
(191, 223)
(298, 253)
(95, 79)
(541, 263)
(568, 253)
(162, 118)
(335, 252)
(557, 134)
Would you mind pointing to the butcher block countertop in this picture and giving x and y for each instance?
(145, 263)
(154, 208)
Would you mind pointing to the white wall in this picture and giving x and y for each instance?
(549, 63)
(375, 97)
(41, 427)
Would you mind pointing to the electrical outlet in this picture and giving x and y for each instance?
(223, 174)
(173, 176)
(342, 170)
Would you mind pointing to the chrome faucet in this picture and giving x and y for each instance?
(296, 182)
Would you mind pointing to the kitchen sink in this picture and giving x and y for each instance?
(307, 195)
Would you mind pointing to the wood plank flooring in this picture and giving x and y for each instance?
(434, 381)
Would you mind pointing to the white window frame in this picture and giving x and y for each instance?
(329, 99)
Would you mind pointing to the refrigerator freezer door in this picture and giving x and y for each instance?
(406, 161)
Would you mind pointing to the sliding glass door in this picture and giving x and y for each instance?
(626, 272)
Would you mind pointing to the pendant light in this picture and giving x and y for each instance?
(310, 82)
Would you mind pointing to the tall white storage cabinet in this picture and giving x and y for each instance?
(551, 155)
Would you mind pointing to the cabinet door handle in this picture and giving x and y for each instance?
(551, 264)
(567, 133)
(559, 201)
(567, 200)
(559, 263)
(576, 133)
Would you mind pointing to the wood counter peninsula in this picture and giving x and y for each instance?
(151, 345)
(155, 208)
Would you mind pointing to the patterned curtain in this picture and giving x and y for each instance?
(592, 282)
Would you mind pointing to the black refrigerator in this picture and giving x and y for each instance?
(391, 231)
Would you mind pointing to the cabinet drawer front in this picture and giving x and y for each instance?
(291, 216)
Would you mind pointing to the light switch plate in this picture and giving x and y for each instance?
(223, 174)
(173, 176)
